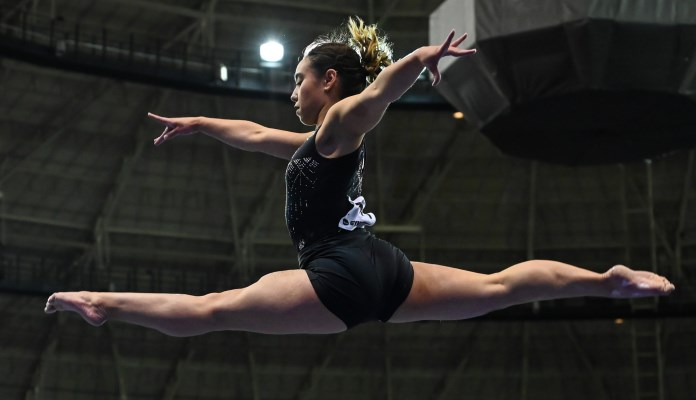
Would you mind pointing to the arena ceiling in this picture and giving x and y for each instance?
(89, 204)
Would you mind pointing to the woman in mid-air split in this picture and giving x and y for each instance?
(343, 85)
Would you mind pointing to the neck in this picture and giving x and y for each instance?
(323, 112)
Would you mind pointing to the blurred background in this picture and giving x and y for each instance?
(569, 136)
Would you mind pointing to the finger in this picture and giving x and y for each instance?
(161, 119)
(446, 44)
(460, 52)
(436, 77)
(459, 41)
(50, 308)
(162, 136)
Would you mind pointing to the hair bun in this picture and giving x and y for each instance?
(375, 52)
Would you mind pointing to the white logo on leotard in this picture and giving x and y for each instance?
(355, 217)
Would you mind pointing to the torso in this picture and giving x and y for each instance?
(318, 191)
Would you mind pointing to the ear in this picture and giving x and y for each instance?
(330, 79)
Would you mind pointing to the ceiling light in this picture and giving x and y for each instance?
(458, 115)
(223, 73)
(271, 51)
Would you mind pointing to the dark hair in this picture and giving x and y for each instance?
(355, 51)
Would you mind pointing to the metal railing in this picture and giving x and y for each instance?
(143, 55)
(155, 59)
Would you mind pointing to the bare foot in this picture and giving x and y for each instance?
(79, 302)
(627, 283)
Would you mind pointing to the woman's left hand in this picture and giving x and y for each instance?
(431, 55)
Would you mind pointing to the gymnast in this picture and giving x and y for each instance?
(344, 83)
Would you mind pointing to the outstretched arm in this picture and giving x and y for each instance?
(363, 111)
(244, 135)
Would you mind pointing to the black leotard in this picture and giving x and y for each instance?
(319, 191)
(357, 276)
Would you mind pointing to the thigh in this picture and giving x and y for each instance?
(445, 293)
(281, 302)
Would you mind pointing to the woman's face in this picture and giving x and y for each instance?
(308, 95)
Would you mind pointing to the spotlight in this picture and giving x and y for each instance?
(271, 51)
(223, 73)
(458, 115)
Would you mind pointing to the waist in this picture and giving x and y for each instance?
(341, 238)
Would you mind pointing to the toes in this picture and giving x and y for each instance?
(50, 308)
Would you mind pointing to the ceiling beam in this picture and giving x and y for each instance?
(589, 365)
(38, 370)
(232, 204)
(455, 375)
(65, 117)
(253, 370)
(388, 11)
(176, 371)
(688, 184)
(258, 216)
(118, 365)
(238, 20)
(134, 124)
(312, 378)
(460, 138)
(282, 240)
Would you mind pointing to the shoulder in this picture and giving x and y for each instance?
(344, 127)
(280, 143)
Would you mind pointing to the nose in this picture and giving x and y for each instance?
(293, 96)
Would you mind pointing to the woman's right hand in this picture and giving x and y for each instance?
(430, 55)
(174, 127)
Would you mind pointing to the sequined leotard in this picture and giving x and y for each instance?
(319, 191)
(357, 276)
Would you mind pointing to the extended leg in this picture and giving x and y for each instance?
(281, 302)
(444, 293)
